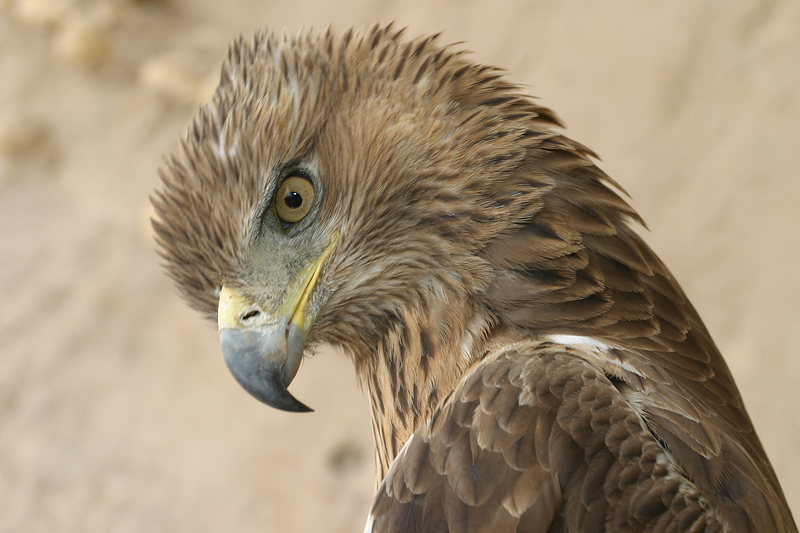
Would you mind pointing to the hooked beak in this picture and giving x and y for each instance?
(263, 351)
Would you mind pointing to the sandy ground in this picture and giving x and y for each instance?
(116, 410)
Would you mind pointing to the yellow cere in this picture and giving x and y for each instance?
(301, 289)
(232, 305)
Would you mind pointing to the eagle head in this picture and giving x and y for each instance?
(336, 183)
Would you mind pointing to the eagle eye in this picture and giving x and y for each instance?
(294, 199)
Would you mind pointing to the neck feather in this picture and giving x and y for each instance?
(416, 366)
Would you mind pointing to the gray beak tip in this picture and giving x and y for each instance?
(259, 368)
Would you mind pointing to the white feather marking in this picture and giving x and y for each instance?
(232, 150)
(578, 339)
(626, 366)
(476, 328)
(221, 149)
(403, 449)
(368, 527)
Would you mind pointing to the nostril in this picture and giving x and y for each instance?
(251, 314)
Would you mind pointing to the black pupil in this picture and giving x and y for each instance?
(293, 200)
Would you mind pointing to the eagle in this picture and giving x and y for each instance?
(531, 364)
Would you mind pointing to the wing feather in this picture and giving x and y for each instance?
(536, 438)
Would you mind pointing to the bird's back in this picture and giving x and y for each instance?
(537, 438)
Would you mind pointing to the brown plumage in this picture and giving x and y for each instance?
(531, 364)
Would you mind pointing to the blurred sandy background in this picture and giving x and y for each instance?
(116, 410)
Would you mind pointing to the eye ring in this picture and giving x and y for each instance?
(294, 198)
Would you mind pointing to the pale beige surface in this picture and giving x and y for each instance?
(116, 410)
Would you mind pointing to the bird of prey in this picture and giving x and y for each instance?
(532, 366)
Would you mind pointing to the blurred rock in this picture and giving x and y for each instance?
(182, 74)
(43, 12)
(84, 38)
(346, 457)
(20, 133)
(81, 43)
